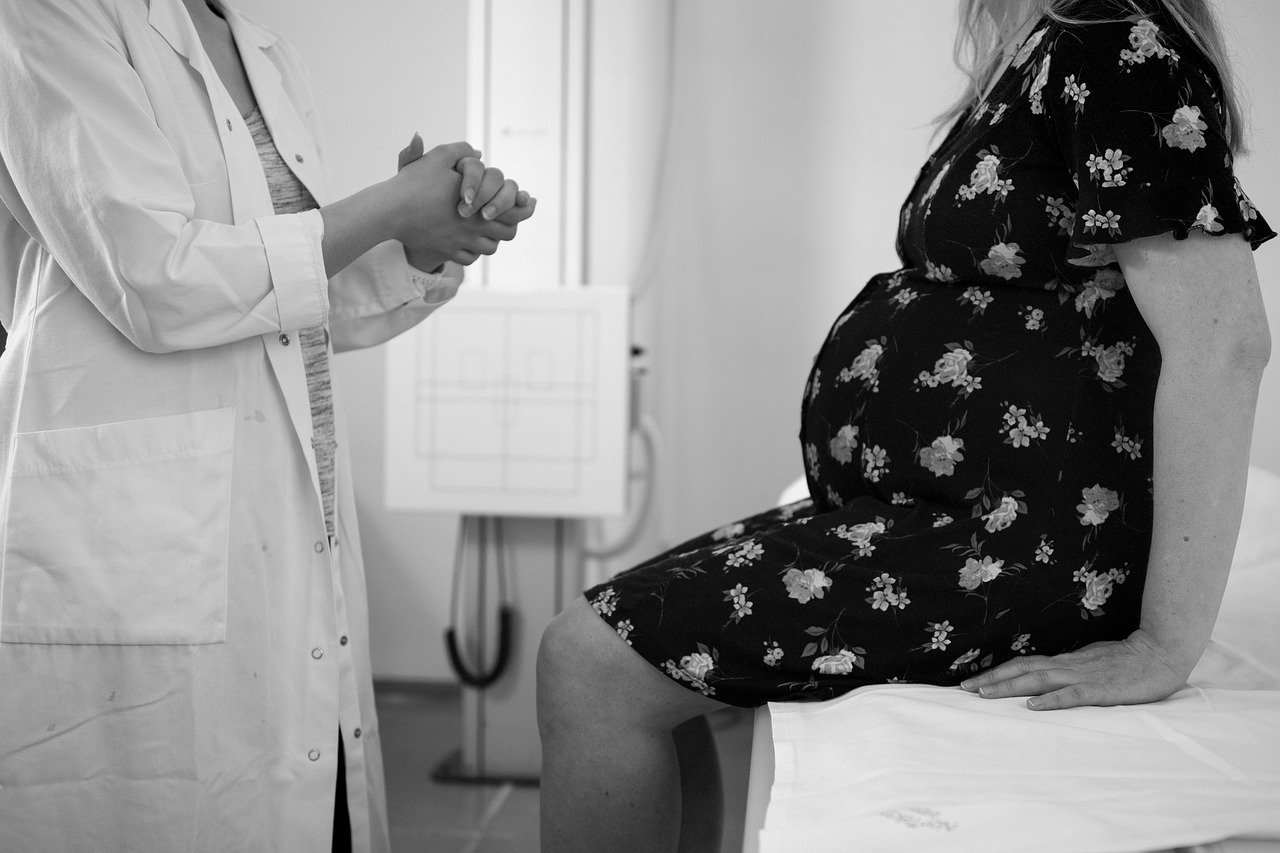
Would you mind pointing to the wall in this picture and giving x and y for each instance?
(795, 129)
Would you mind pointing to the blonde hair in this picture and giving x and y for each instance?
(979, 47)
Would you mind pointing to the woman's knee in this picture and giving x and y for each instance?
(586, 671)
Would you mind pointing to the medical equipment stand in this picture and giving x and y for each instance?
(499, 727)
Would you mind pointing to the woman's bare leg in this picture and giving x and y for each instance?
(610, 772)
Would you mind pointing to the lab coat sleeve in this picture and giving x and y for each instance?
(379, 295)
(87, 172)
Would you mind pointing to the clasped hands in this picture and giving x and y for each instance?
(1132, 671)
(452, 207)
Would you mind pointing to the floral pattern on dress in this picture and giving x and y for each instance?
(976, 430)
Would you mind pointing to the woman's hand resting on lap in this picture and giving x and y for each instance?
(1131, 671)
(449, 184)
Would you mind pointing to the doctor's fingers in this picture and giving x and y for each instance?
(493, 196)
(520, 211)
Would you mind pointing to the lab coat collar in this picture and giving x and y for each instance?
(170, 19)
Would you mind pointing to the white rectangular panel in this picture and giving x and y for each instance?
(512, 403)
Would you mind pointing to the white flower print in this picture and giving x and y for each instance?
(1109, 221)
(729, 531)
(1024, 52)
(865, 367)
(1186, 131)
(772, 653)
(605, 602)
(1035, 318)
(1144, 38)
(875, 461)
(1207, 219)
(815, 383)
(978, 298)
(1044, 551)
(941, 456)
(1098, 586)
(1247, 210)
(1109, 167)
(840, 663)
(952, 369)
(964, 659)
(1037, 87)
(1021, 429)
(746, 554)
(941, 273)
(985, 178)
(901, 499)
(1099, 255)
(1098, 503)
(884, 593)
(1109, 361)
(1105, 284)
(1003, 516)
(1074, 91)
(845, 442)
(741, 604)
(695, 669)
(941, 638)
(1003, 260)
(811, 454)
(1125, 444)
(860, 535)
(942, 520)
(1022, 644)
(805, 585)
(998, 114)
(833, 498)
(1060, 213)
(904, 297)
(976, 573)
(624, 629)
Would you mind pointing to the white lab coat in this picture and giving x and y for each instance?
(178, 641)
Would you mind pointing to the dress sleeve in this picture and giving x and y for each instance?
(1138, 115)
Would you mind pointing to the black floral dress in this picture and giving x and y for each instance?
(977, 427)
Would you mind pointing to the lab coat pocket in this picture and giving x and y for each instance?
(118, 533)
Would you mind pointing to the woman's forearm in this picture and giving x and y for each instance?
(1203, 424)
(355, 225)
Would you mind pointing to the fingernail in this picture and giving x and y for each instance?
(1033, 703)
(488, 213)
(984, 691)
(966, 685)
(468, 196)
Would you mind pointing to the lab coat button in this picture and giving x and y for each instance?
(343, 640)
(228, 124)
(356, 733)
(317, 653)
(298, 157)
(319, 547)
(314, 755)
(284, 340)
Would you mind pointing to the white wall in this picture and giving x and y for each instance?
(1251, 27)
(796, 130)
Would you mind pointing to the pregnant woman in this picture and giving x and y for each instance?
(1025, 449)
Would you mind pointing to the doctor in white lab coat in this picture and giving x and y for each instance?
(180, 638)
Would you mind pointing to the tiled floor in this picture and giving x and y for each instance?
(422, 725)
